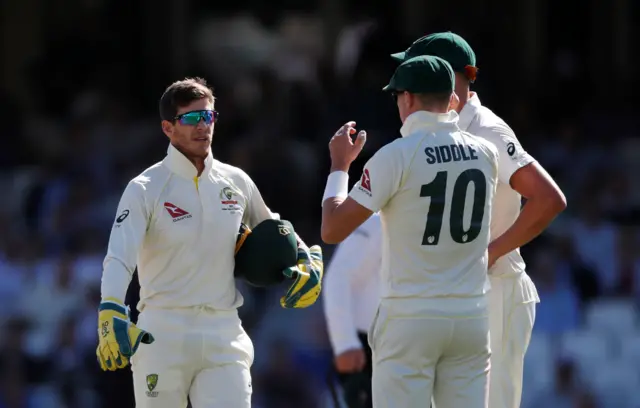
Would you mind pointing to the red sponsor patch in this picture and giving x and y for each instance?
(365, 181)
(175, 211)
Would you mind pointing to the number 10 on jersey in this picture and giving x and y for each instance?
(437, 190)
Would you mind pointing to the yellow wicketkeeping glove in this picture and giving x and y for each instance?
(307, 275)
(118, 338)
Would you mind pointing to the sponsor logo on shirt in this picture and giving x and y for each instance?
(511, 148)
(122, 216)
(228, 200)
(226, 196)
(365, 182)
(177, 213)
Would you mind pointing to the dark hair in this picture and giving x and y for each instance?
(180, 94)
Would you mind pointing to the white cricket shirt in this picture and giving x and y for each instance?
(350, 286)
(482, 122)
(180, 230)
(433, 188)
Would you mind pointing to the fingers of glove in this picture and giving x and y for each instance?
(309, 298)
(295, 290)
(121, 361)
(311, 289)
(316, 252)
(117, 358)
(295, 304)
(303, 267)
(106, 359)
(290, 302)
(300, 300)
(290, 272)
(304, 291)
(101, 361)
(301, 278)
(316, 259)
(303, 255)
(293, 271)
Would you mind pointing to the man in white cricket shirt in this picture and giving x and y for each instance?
(513, 295)
(433, 188)
(178, 223)
(350, 298)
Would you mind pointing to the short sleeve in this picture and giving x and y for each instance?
(380, 179)
(511, 154)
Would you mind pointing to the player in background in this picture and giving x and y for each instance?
(433, 188)
(513, 295)
(178, 223)
(350, 298)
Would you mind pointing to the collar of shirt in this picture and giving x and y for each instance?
(179, 164)
(469, 111)
(423, 119)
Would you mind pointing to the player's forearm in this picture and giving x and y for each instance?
(329, 207)
(115, 280)
(535, 217)
(335, 193)
(329, 220)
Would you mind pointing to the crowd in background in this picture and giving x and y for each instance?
(85, 132)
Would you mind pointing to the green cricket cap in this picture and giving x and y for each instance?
(422, 74)
(447, 45)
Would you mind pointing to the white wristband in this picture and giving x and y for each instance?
(337, 185)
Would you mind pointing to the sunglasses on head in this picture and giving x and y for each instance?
(194, 117)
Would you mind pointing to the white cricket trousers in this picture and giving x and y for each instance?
(198, 353)
(419, 354)
(512, 312)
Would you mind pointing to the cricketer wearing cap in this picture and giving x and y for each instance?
(513, 295)
(178, 222)
(434, 188)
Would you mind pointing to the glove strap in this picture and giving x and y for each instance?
(113, 306)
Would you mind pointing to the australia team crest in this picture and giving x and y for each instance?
(152, 383)
(229, 199)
